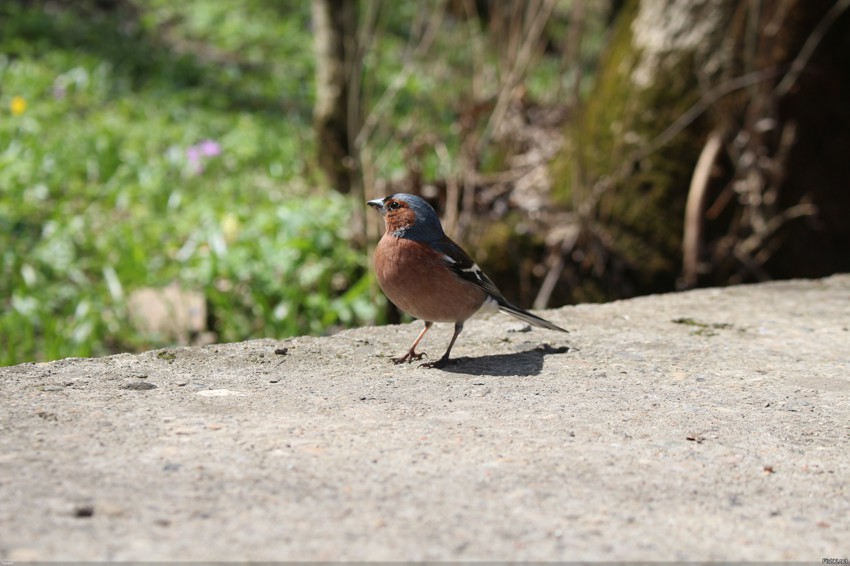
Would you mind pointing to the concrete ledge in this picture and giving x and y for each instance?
(708, 425)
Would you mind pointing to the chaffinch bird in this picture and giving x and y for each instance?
(428, 276)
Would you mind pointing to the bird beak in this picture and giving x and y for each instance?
(377, 204)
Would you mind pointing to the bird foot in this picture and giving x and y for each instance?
(410, 356)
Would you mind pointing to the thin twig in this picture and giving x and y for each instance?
(573, 53)
(694, 217)
(516, 72)
(704, 103)
(398, 82)
(810, 46)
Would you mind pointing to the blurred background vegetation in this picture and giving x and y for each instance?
(189, 172)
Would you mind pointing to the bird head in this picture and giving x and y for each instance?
(409, 216)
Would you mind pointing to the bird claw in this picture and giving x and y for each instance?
(409, 357)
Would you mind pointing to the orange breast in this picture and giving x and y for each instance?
(415, 279)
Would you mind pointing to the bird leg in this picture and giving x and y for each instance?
(411, 353)
(442, 362)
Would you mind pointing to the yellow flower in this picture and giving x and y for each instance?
(18, 105)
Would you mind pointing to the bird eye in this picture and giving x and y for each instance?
(393, 205)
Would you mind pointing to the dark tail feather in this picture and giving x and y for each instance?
(521, 314)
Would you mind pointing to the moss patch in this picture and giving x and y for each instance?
(641, 210)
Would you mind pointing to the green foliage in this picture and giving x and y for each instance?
(281, 269)
(108, 184)
(146, 143)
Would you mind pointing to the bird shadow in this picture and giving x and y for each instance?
(526, 363)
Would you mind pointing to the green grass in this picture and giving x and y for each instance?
(100, 196)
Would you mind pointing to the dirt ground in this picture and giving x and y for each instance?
(707, 425)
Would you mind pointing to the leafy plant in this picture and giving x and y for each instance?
(136, 167)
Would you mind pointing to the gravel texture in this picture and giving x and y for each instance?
(707, 425)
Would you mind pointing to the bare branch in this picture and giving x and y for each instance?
(400, 80)
(704, 103)
(517, 70)
(695, 207)
(810, 46)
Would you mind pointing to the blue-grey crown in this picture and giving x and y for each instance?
(427, 227)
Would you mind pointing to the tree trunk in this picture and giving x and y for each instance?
(629, 195)
(335, 28)
(676, 73)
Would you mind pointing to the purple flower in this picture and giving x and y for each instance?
(209, 148)
(195, 154)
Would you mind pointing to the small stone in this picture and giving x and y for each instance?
(52, 388)
(84, 511)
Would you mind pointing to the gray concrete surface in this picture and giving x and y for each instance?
(708, 425)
